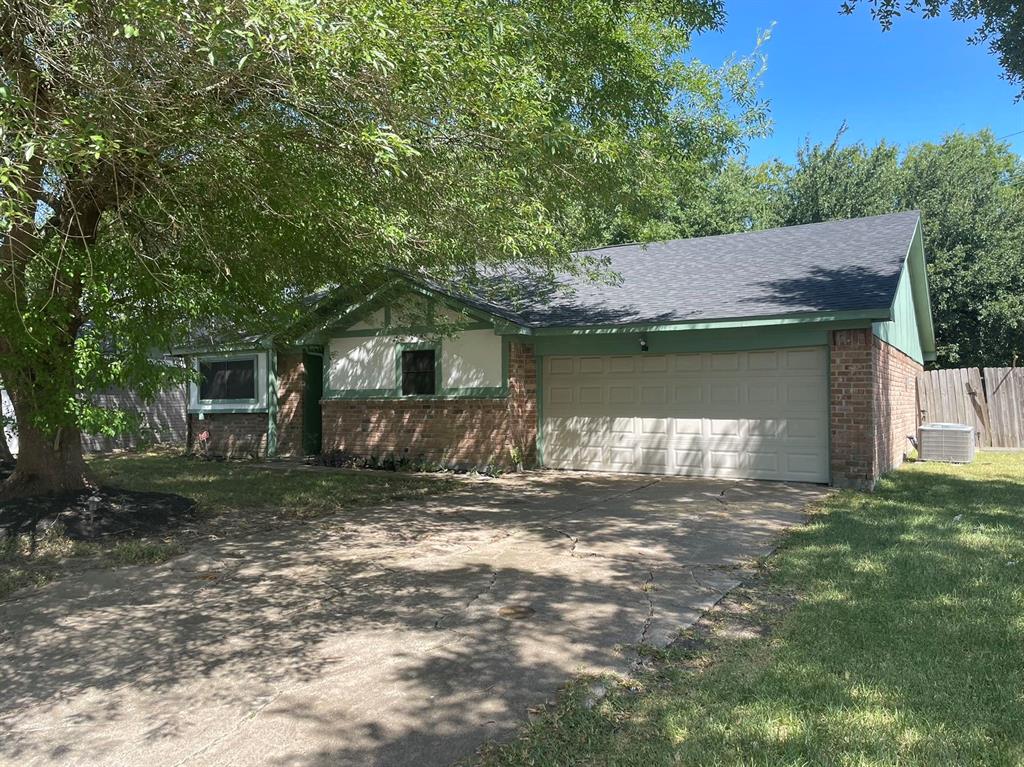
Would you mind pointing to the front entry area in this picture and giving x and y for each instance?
(753, 414)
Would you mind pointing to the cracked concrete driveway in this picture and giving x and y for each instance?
(386, 636)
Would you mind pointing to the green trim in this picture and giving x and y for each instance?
(911, 329)
(254, 358)
(412, 330)
(918, 269)
(682, 342)
(216, 351)
(539, 366)
(271, 404)
(483, 392)
(798, 318)
(454, 302)
(443, 393)
(828, 401)
(434, 346)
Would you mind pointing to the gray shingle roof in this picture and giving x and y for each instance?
(833, 266)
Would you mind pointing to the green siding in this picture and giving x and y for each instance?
(683, 341)
(902, 331)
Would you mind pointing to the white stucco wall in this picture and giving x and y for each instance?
(470, 359)
(363, 363)
(375, 320)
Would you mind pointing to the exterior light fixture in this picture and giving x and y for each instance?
(643, 343)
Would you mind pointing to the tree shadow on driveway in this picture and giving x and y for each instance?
(392, 636)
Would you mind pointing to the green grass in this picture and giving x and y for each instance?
(234, 498)
(240, 487)
(906, 646)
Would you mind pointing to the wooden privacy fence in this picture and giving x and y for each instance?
(989, 399)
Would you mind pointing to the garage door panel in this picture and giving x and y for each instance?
(763, 427)
(654, 394)
(655, 363)
(763, 360)
(759, 414)
(655, 426)
(763, 393)
(689, 394)
(682, 427)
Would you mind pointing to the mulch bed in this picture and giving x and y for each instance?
(97, 514)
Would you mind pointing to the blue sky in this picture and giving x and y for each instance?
(916, 82)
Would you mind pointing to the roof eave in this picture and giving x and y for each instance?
(880, 314)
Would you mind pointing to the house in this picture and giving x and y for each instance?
(788, 354)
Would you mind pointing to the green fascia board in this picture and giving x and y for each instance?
(379, 298)
(798, 318)
(911, 296)
(693, 342)
(411, 330)
(453, 302)
(265, 344)
(922, 297)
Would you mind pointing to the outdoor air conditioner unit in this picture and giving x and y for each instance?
(951, 442)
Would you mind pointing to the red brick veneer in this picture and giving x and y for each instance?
(475, 431)
(897, 414)
(235, 435)
(873, 407)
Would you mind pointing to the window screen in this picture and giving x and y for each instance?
(227, 379)
(418, 372)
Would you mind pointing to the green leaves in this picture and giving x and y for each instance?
(171, 166)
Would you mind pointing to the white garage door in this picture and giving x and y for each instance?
(758, 414)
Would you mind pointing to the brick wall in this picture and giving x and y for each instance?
(897, 415)
(291, 383)
(235, 435)
(466, 431)
(852, 408)
(873, 407)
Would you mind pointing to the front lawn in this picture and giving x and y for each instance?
(234, 498)
(905, 645)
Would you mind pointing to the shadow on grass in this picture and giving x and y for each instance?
(905, 646)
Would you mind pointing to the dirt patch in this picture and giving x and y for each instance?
(99, 514)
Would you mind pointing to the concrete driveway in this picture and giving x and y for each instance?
(388, 636)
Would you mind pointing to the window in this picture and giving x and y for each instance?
(418, 367)
(227, 379)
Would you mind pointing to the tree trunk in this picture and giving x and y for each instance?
(47, 463)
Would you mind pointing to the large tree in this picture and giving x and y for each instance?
(167, 163)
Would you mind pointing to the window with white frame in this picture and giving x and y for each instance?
(227, 380)
(230, 382)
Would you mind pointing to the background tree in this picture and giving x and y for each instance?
(1000, 24)
(164, 164)
(969, 189)
(833, 182)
